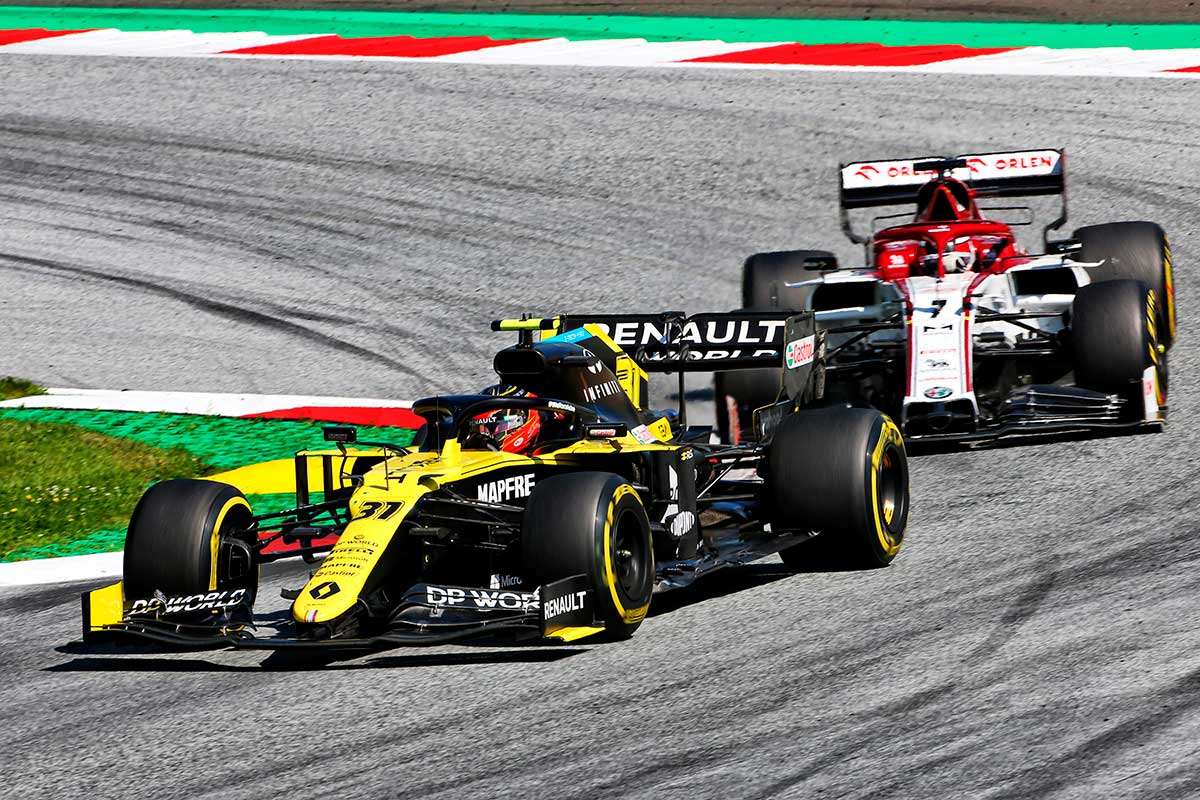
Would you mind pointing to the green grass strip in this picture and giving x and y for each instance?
(522, 26)
(69, 479)
(109, 540)
(45, 545)
(222, 442)
(58, 481)
(11, 388)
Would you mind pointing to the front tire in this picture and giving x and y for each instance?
(593, 524)
(843, 472)
(179, 541)
(1114, 334)
(1136, 251)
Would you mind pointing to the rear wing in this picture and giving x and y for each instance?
(676, 342)
(1025, 173)
(1020, 173)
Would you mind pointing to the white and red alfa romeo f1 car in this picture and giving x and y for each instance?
(957, 332)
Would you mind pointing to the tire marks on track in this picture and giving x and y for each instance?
(1016, 614)
(102, 174)
(220, 309)
(1179, 700)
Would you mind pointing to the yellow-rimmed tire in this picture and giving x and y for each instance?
(181, 541)
(593, 524)
(842, 472)
(1115, 338)
(1136, 251)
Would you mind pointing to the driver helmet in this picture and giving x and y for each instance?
(513, 430)
(960, 254)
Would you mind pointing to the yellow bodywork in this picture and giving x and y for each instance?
(103, 606)
(279, 476)
(404, 480)
(574, 634)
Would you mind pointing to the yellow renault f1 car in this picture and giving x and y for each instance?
(552, 508)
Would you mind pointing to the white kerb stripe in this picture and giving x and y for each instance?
(1079, 61)
(62, 570)
(215, 404)
(207, 44)
(107, 41)
(114, 42)
(69, 569)
(523, 53)
(599, 52)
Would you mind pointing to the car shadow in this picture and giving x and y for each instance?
(732, 580)
(133, 662)
(719, 584)
(138, 659)
(1025, 440)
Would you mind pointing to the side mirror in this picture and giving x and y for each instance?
(1064, 246)
(342, 434)
(820, 263)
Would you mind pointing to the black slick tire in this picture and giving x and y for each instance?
(765, 277)
(593, 524)
(174, 542)
(843, 472)
(1136, 251)
(1114, 336)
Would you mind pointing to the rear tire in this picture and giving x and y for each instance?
(764, 279)
(593, 524)
(1136, 251)
(1113, 331)
(765, 275)
(174, 542)
(844, 472)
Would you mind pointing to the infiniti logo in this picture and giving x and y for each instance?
(596, 365)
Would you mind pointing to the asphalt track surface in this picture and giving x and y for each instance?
(350, 228)
(1134, 11)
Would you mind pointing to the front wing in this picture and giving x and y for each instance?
(1047, 429)
(562, 611)
(1039, 412)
